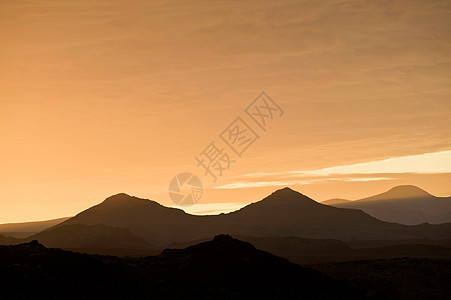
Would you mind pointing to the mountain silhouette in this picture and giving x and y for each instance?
(223, 268)
(145, 218)
(404, 204)
(289, 209)
(283, 213)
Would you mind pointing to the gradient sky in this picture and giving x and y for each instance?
(103, 97)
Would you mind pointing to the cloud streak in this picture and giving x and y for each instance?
(250, 184)
(428, 163)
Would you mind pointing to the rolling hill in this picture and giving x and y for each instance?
(93, 239)
(20, 230)
(335, 201)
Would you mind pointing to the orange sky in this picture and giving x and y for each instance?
(102, 97)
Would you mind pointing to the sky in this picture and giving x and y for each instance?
(104, 97)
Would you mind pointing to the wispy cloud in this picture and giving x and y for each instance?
(250, 184)
(429, 163)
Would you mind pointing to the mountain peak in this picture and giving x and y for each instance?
(221, 243)
(34, 244)
(124, 199)
(281, 199)
(286, 191)
(288, 195)
(120, 196)
(406, 191)
(223, 237)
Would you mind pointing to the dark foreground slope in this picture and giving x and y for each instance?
(224, 268)
(399, 278)
(315, 251)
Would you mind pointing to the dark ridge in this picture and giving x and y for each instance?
(32, 244)
(223, 268)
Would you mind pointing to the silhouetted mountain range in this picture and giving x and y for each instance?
(403, 204)
(224, 268)
(286, 223)
(283, 213)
